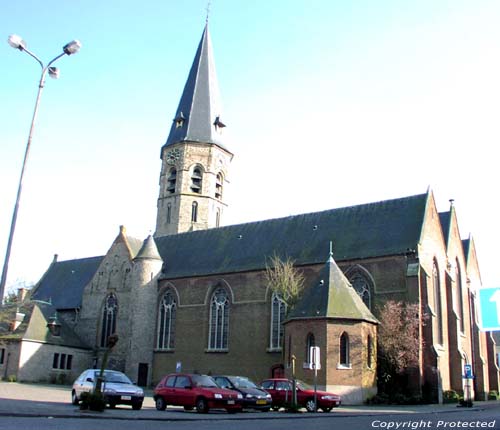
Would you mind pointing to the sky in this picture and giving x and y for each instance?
(327, 103)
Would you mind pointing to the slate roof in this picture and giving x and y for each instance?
(376, 229)
(200, 103)
(34, 327)
(63, 283)
(445, 219)
(148, 250)
(333, 297)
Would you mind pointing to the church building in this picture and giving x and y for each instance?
(194, 296)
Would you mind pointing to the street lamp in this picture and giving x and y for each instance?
(18, 43)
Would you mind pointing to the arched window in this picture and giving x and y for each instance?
(369, 352)
(166, 321)
(219, 180)
(169, 213)
(172, 180)
(459, 303)
(310, 342)
(278, 310)
(219, 320)
(109, 318)
(363, 286)
(344, 350)
(194, 212)
(196, 180)
(436, 289)
(217, 218)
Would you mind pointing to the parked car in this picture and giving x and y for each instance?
(253, 396)
(117, 388)
(281, 392)
(195, 391)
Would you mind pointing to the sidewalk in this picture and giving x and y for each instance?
(37, 400)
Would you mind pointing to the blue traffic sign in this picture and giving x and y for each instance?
(489, 309)
(468, 371)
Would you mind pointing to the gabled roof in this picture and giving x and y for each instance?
(199, 109)
(445, 219)
(34, 327)
(331, 296)
(63, 283)
(376, 229)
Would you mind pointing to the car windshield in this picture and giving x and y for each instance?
(204, 381)
(115, 377)
(240, 382)
(303, 386)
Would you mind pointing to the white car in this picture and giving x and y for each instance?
(117, 388)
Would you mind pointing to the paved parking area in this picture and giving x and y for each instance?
(55, 401)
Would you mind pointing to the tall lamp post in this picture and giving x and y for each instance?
(18, 43)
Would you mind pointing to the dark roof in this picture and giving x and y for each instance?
(376, 229)
(34, 327)
(148, 250)
(63, 283)
(445, 219)
(200, 105)
(331, 296)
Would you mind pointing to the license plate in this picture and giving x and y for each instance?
(126, 397)
(261, 402)
(230, 402)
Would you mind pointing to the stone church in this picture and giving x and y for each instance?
(194, 296)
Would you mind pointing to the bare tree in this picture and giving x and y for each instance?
(284, 279)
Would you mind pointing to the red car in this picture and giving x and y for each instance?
(281, 392)
(195, 391)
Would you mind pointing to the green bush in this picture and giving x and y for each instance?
(92, 401)
(451, 396)
(12, 378)
(493, 395)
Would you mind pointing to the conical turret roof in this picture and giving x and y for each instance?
(332, 296)
(148, 250)
(199, 117)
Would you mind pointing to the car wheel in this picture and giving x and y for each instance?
(74, 398)
(136, 406)
(276, 408)
(326, 409)
(201, 406)
(310, 406)
(112, 405)
(160, 404)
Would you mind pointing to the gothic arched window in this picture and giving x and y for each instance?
(166, 321)
(196, 180)
(217, 218)
(219, 320)
(369, 352)
(172, 180)
(363, 286)
(310, 342)
(344, 350)
(436, 290)
(459, 303)
(218, 186)
(194, 212)
(169, 213)
(278, 310)
(110, 311)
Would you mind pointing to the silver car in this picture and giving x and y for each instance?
(117, 388)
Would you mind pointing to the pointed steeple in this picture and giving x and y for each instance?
(198, 117)
(332, 296)
(148, 250)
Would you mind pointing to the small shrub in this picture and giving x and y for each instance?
(493, 395)
(451, 396)
(92, 401)
(12, 378)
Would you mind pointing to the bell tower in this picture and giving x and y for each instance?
(195, 161)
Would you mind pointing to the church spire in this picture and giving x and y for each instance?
(198, 117)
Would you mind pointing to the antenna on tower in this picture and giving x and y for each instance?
(208, 11)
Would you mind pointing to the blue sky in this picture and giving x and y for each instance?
(328, 104)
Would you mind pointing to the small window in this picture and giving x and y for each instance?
(69, 362)
(170, 381)
(169, 213)
(62, 362)
(172, 180)
(196, 180)
(283, 385)
(344, 350)
(219, 180)
(217, 218)
(194, 212)
(369, 352)
(2, 355)
(182, 382)
(55, 361)
(268, 385)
